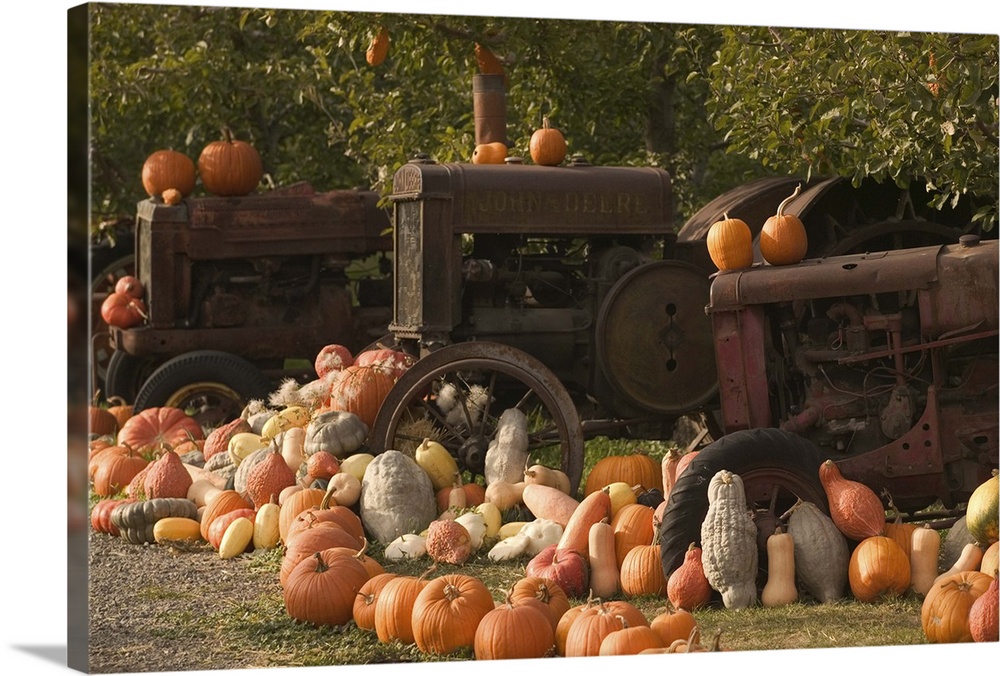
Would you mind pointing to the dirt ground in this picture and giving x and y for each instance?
(157, 583)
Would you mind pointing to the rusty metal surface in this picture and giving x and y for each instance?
(568, 200)
(653, 338)
(489, 108)
(825, 277)
(753, 202)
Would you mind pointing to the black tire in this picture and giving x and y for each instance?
(212, 386)
(125, 375)
(777, 467)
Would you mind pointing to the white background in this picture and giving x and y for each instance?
(33, 348)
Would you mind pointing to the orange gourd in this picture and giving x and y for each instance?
(494, 152)
(378, 48)
(783, 239)
(688, 587)
(592, 509)
(855, 509)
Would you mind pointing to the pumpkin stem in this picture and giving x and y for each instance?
(227, 133)
(795, 193)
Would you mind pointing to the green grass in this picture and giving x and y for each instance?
(259, 633)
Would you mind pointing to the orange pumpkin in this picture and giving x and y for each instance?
(166, 169)
(364, 603)
(447, 611)
(635, 468)
(730, 243)
(944, 614)
(361, 390)
(673, 624)
(394, 612)
(878, 568)
(547, 145)
(783, 239)
(514, 631)
(322, 588)
(641, 571)
(152, 428)
(545, 590)
(230, 167)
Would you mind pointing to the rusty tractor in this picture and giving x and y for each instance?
(568, 292)
(243, 292)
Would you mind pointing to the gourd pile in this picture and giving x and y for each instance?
(298, 477)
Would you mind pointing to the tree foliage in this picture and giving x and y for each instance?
(888, 105)
(715, 106)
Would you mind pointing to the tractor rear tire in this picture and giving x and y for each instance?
(213, 386)
(777, 468)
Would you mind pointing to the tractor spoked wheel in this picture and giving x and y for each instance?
(457, 394)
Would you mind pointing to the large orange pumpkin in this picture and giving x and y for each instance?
(783, 239)
(322, 587)
(635, 468)
(944, 614)
(447, 611)
(165, 169)
(152, 428)
(878, 568)
(361, 390)
(730, 243)
(230, 167)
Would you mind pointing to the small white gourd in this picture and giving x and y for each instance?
(407, 546)
(507, 454)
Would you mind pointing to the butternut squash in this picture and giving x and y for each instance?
(601, 557)
(925, 546)
(238, 535)
(592, 509)
(780, 588)
(547, 502)
(968, 560)
(176, 528)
